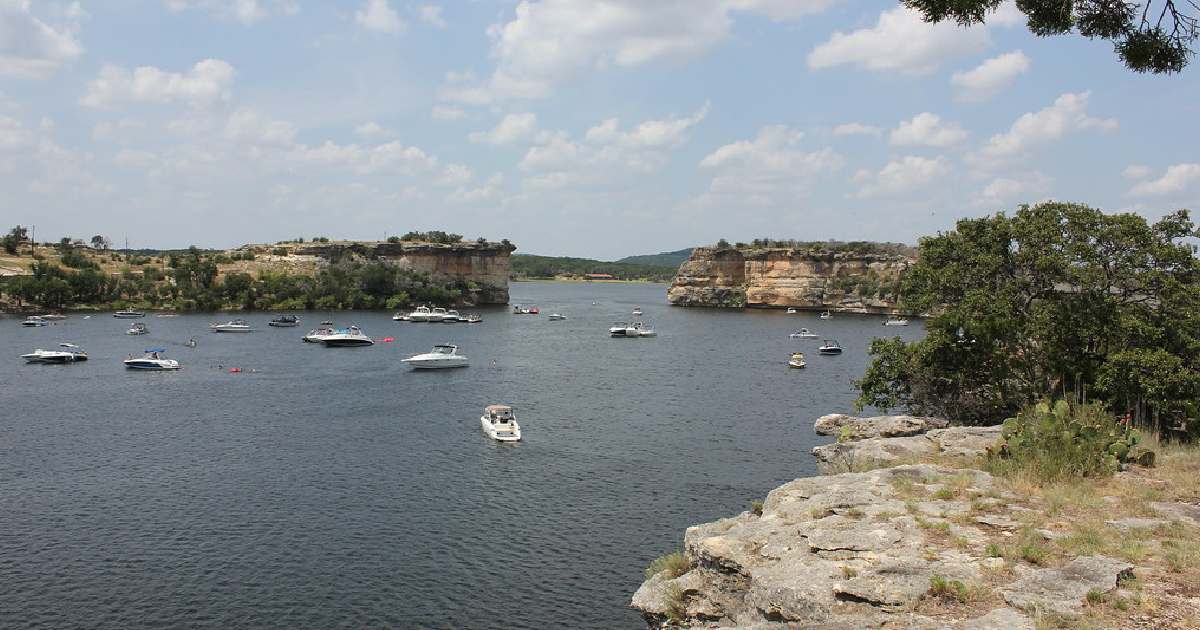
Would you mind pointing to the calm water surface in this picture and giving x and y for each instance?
(334, 488)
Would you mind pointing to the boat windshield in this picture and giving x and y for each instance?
(443, 349)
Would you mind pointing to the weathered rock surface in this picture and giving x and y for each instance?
(779, 277)
(1133, 524)
(836, 424)
(960, 442)
(827, 552)
(1063, 590)
(1186, 512)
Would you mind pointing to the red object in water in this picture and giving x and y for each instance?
(388, 340)
(234, 370)
(534, 311)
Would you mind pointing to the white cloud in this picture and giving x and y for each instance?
(1136, 171)
(547, 43)
(245, 11)
(392, 158)
(29, 48)
(378, 15)
(901, 41)
(1013, 189)
(455, 175)
(432, 14)
(1177, 179)
(669, 132)
(443, 112)
(489, 191)
(928, 130)
(903, 176)
(13, 134)
(771, 169)
(856, 129)
(1066, 115)
(121, 130)
(372, 129)
(511, 128)
(990, 77)
(251, 128)
(206, 83)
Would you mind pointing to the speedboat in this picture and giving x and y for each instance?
(637, 311)
(895, 320)
(438, 314)
(500, 423)
(35, 320)
(633, 330)
(128, 314)
(152, 360)
(71, 354)
(474, 318)
(232, 326)
(317, 335)
(554, 317)
(791, 311)
(830, 347)
(618, 329)
(347, 337)
(826, 315)
(53, 317)
(138, 328)
(803, 333)
(440, 357)
(400, 317)
(285, 321)
(452, 317)
(797, 360)
(419, 315)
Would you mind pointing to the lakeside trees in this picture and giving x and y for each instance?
(1151, 36)
(1056, 300)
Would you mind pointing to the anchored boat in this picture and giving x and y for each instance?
(152, 360)
(442, 356)
(500, 423)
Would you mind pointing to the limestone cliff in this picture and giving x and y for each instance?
(810, 278)
(481, 266)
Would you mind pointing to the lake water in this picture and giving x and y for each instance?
(335, 488)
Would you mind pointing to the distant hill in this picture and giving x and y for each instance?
(530, 266)
(665, 259)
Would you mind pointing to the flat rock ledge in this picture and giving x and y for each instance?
(837, 424)
(952, 442)
(859, 550)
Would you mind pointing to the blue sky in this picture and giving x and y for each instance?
(596, 128)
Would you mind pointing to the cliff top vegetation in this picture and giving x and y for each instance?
(831, 246)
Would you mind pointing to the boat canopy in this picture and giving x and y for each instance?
(156, 349)
(498, 409)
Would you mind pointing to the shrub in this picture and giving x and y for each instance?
(675, 565)
(1062, 442)
(279, 251)
(756, 507)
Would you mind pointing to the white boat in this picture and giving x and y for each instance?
(554, 317)
(791, 311)
(34, 321)
(440, 357)
(138, 328)
(473, 318)
(347, 338)
(803, 333)
(631, 330)
(128, 314)
(284, 321)
(400, 317)
(826, 315)
(419, 315)
(797, 360)
(830, 346)
(436, 315)
(637, 311)
(152, 360)
(53, 317)
(452, 317)
(71, 354)
(232, 326)
(317, 335)
(500, 423)
(895, 320)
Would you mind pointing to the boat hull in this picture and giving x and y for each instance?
(283, 324)
(797, 364)
(434, 364)
(137, 364)
(347, 343)
(490, 430)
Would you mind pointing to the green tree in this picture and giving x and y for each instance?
(1150, 36)
(1056, 300)
(12, 241)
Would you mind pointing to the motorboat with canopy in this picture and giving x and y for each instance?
(347, 338)
(500, 423)
(70, 354)
(442, 356)
(152, 360)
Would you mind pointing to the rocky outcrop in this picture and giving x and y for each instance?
(889, 440)
(861, 550)
(480, 267)
(814, 279)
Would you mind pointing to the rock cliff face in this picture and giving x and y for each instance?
(780, 277)
(482, 266)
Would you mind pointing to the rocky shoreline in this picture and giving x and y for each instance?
(908, 545)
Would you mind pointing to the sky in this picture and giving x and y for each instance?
(596, 128)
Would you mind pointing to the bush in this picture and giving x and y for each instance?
(1062, 442)
(279, 251)
(675, 564)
